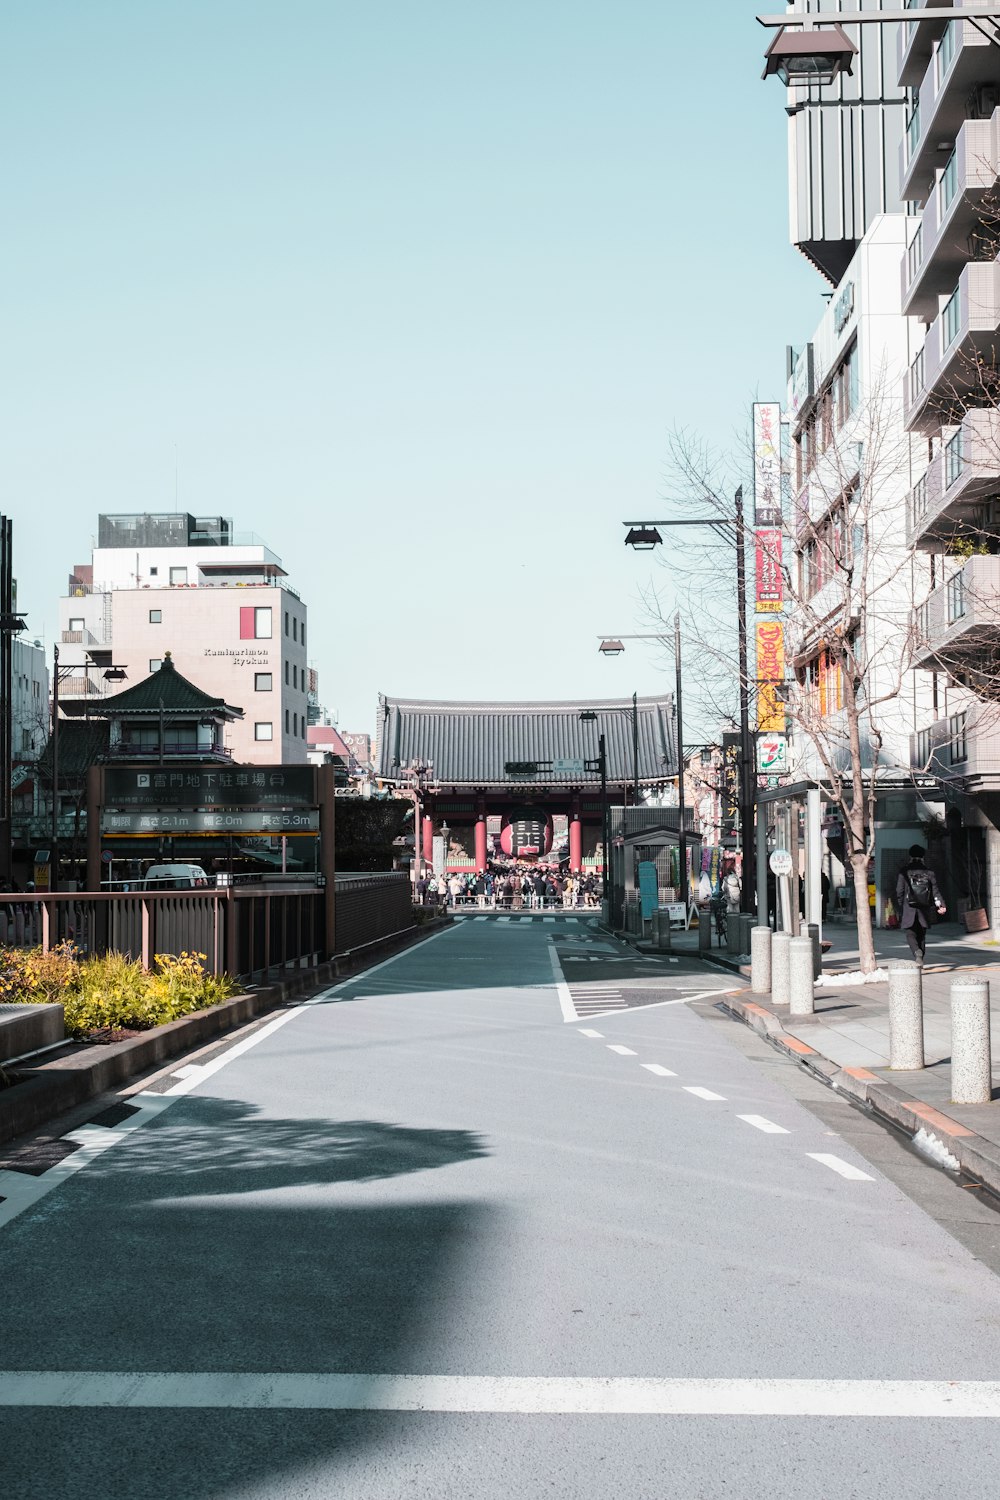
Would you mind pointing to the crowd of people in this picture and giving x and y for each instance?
(512, 887)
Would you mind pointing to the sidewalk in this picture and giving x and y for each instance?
(847, 1040)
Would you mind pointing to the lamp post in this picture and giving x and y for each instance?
(645, 535)
(588, 716)
(112, 673)
(11, 624)
(812, 47)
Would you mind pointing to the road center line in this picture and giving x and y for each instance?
(555, 1395)
(700, 1093)
(658, 1069)
(622, 1051)
(585, 1032)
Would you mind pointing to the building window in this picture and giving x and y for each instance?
(913, 126)
(155, 663)
(917, 376)
(295, 629)
(914, 254)
(956, 597)
(946, 51)
(287, 672)
(156, 617)
(302, 634)
(295, 725)
(287, 718)
(154, 572)
(178, 575)
(950, 319)
(958, 748)
(263, 731)
(77, 624)
(262, 682)
(295, 675)
(949, 183)
(954, 458)
(286, 621)
(255, 623)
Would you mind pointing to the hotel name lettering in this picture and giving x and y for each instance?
(240, 657)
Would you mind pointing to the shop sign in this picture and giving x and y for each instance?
(772, 754)
(770, 638)
(770, 581)
(767, 463)
(730, 782)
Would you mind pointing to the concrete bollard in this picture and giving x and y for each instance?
(760, 960)
(749, 921)
(801, 993)
(813, 930)
(704, 929)
(662, 930)
(779, 967)
(906, 1016)
(734, 933)
(971, 1061)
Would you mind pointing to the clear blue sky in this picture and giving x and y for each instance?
(415, 291)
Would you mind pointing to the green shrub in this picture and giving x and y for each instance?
(111, 992)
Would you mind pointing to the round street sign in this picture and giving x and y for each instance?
(781, 862)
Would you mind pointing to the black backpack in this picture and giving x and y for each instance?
(921, 888)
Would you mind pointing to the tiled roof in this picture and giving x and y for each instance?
(468, 743)
(165, 690)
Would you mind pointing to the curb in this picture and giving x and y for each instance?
(977, 1156)
(52, 1088)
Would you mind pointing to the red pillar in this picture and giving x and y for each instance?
(428, 840)
(481, 837)
(575, 840)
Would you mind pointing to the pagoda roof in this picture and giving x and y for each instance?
(163, 691)
(471, 744)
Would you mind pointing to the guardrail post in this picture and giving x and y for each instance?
(661, 929)
(779, 967)
(146, 954)
(813, 931)
(760, 960)
(734, 933)
(906, 1016)
(971, 1061)
(704, 929)
(801, 995)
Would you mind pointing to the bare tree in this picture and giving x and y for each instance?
(847, 578)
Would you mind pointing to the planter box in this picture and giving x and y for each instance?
(26, 1028)
(976, 920)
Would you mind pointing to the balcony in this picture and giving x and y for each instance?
(958, 626)
(949, 233)
(949, 494)
(960, 346)
(915, 46)
(173, 750)
(958, 84)
(964, 747)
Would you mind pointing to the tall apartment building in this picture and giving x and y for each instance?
(218, 601)
(950, 279)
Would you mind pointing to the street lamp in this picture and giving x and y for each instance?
(588, 716)
(733, 531)
(679, 736)
(818, 50)
(111, 672)
(615, 648)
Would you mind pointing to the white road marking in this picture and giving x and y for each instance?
(524, 1394)
(700, 1093)
(768, 1126)
(622, 1051)
(548, 919)
(658, 1069)
(562, 988)
(844, 1168)
(187, 1070)
(503, 919)
(584, 1032)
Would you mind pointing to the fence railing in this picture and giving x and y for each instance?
(246, 931)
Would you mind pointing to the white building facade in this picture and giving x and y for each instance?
(221, 606)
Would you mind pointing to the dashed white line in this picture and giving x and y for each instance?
(562, 988)
(760, 1123)
(843, 1168)
(700, 1093)
(585, 1032)
(658, 1069)
(622, 1051)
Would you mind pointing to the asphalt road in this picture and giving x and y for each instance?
(581, 1235)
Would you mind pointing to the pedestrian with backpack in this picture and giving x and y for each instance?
(919, 899)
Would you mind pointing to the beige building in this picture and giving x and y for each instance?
(219, 604)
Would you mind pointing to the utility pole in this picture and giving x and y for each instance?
(747, 767)
(681, 807)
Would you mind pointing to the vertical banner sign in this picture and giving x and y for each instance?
(730, 784)
(770, 583)
(767, 463)
(770, 672)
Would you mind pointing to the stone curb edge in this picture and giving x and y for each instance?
(52, 1088)
(977, 1156)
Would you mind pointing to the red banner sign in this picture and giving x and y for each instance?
(770, 584)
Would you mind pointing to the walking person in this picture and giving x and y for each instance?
(919, 899)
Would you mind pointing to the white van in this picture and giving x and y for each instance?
(175, 878)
